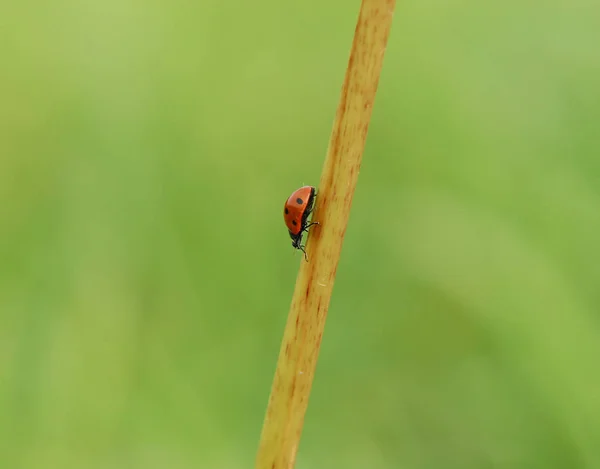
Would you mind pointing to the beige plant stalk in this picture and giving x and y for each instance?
(304, 329)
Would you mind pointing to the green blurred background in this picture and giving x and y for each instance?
(146, 150)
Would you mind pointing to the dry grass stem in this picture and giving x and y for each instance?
(306, 321)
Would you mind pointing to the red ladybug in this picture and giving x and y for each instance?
(295, 213)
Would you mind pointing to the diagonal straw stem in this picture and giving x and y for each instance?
(306, 321)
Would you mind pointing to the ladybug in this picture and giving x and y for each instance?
(295, 213)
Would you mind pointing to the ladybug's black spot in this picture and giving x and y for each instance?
(299, 201)
(294, 222)
(286, 211)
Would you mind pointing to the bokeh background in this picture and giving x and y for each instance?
(146, 150)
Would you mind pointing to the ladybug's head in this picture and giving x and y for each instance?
(296, 238)
(296, 244)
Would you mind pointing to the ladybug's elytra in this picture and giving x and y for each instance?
(295, 213)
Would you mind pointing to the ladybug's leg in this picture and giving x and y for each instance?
(310, 224)
(302, 249)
